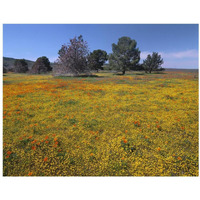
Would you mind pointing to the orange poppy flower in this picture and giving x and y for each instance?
(33, 148)
(30, 173)
(30, 137)
(179, 158)
(46, 142)
(59, 150)
(9, 152)
(20, 138)
(122, 158)
(146, 137)
(91, 154)
(46, 137)
(158, 148)
(45, 159)
(53, 135)
(38, 143)
(55, 139)
(7, 156)
(56, 142)
(126, 131)
(182, 128)
(125, 141)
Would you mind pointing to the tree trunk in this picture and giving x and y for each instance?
(123, 72)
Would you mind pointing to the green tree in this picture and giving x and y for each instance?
(97, 59)
(125, 55)
(153, 63)
(21, 66)
(42, 65)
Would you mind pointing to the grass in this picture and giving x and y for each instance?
(105, 125)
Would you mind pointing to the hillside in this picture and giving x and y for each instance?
(8, 63)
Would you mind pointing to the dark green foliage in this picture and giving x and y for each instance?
(21, 66)
(125, 55)
(4, 70)
(138, 67)
(42, 65)
(97, 59)
(153, 63)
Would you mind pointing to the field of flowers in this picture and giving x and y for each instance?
(109, 125)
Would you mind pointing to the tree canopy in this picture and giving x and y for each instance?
(153, 63)
(21, 66)
(97, 59)
(125, 55)
(73, 57)
(42, 65)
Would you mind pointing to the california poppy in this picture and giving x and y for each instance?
(179, 158)
(125, 141)
(30, 173)
(33, 148)
(45, 159)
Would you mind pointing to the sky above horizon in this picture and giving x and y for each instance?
(177, 43)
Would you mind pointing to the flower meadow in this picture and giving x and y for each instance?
(107, 125)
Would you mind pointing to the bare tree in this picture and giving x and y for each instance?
(72, 58)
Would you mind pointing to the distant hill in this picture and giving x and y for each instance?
(8, 63)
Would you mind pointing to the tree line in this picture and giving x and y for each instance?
(74, 59)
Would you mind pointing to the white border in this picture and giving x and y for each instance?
(104, 11)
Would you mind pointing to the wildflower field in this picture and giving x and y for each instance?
(107, 125)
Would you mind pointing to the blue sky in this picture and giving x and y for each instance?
(177, 43)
